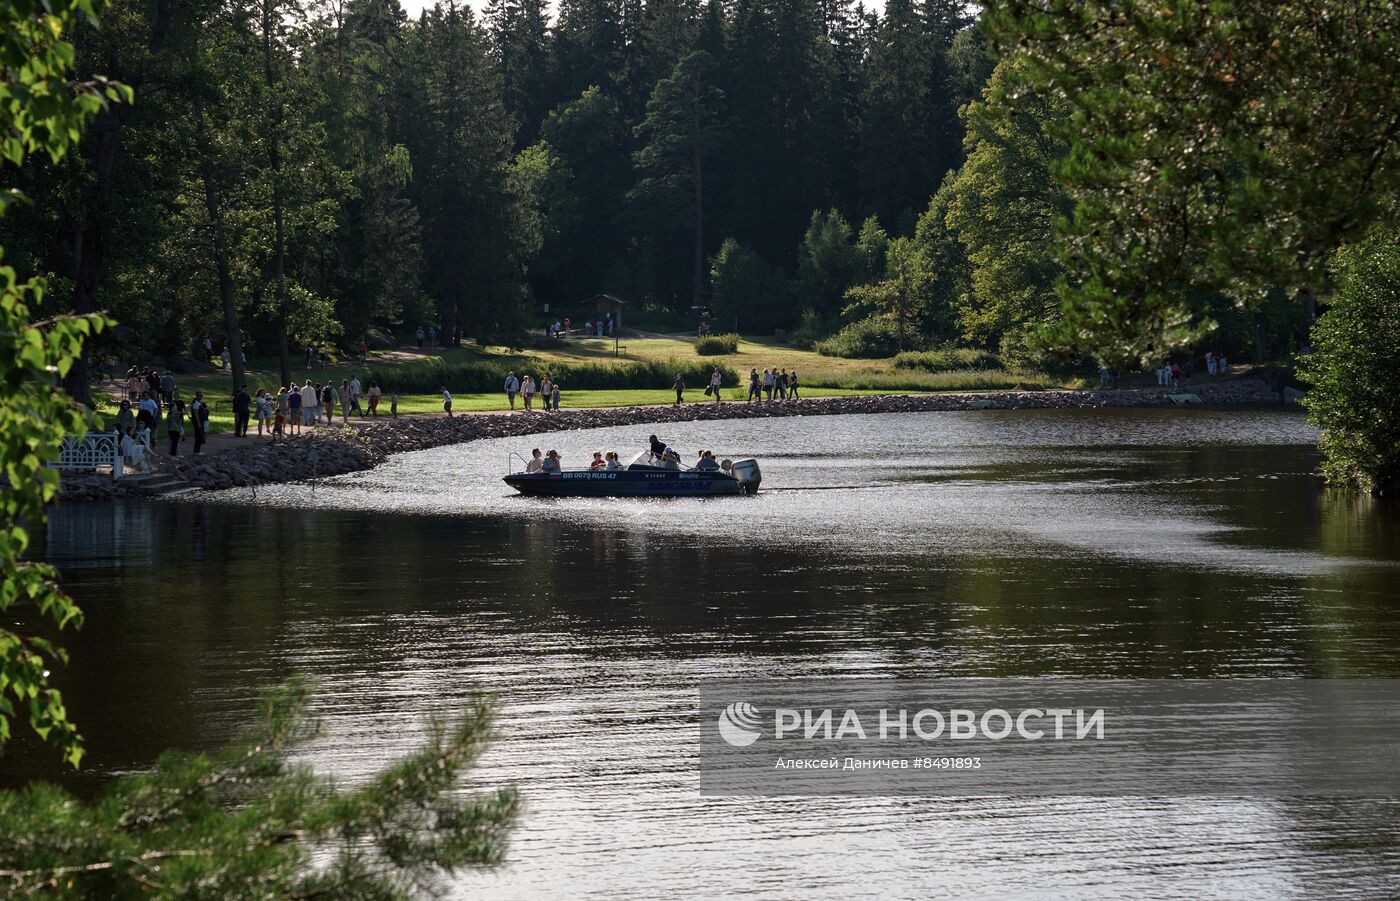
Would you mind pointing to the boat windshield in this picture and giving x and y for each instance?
(647, 460)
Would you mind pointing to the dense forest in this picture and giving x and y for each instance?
(313, 171)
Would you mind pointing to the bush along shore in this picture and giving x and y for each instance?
(326, 452)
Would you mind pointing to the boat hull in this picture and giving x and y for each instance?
(625, 483)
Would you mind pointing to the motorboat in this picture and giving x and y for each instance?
(645, 475)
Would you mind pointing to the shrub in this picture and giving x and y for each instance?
(478, 377)
(946, 360)
(811, 328)
(717, 345)
(1354, 370)
(867, 339)
(951, 380)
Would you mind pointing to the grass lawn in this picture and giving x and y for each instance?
(768, 353)
(820, 376)
(221, 408)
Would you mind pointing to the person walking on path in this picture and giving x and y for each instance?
(199, 420)
(328, 402)
(374, 395)
(394, 403)
(767, 384)
(714, 385)
(547, 392)
(223, 360)
(355, 395)
(310, 404)
(294, 409)
(364, 352)
(446, 401)
(279, 406)
(554, 397)
(527, 392)
(175, 424)
(262, 409)
(167, 387)
(419, 335)
(241, 404)
(792, 384)
(780, 385)
(679, 388)
(754, 390)
(344, 401)
(512, 388)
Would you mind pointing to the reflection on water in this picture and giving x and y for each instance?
(1107, 543)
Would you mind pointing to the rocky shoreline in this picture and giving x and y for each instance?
(332, 451)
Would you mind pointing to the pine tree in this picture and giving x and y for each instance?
(682, 129)
(519, 36)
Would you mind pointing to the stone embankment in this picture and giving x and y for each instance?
(325, 451)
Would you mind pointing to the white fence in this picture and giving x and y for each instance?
(94, 451)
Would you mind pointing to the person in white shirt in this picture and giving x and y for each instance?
(374, 394)
(310, 404)
(714, 385)
(446, 401)
(527, 392)
(512, 388)
(355, 396)
(134, 452)
(536, 461)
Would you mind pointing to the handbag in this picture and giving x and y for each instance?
(707, 390)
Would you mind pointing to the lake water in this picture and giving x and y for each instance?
(1111, 543)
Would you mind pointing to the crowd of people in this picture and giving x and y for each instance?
(1172, 373)
(602, 327)
(527, 389)
(290, 408)
(150, 399)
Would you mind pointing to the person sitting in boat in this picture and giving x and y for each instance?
(536, 461)
(598, 462)
(670, 459)
(552, 463)
(707, 463)
(613, 462)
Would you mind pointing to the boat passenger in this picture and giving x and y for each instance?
(552, 463)
(597, 463)
(707, 463)
(670, 459)
(658, 447)
(613, 462)
(536, 461)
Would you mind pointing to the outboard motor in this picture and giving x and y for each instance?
(746, 471)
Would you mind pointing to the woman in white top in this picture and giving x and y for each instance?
(527, 391)
(263, 409)
(714, 384)
(613, 462)
(134, 452)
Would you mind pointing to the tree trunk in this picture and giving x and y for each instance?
(697, 277)
(90, 234)
(90, 228)
(213, 204)
(274, 159)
